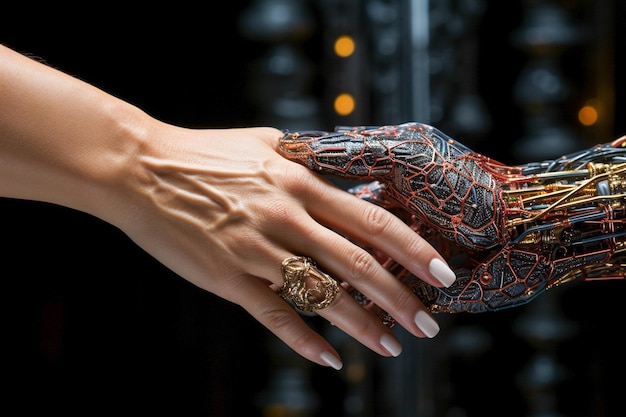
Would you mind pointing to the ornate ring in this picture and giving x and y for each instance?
(305, 285)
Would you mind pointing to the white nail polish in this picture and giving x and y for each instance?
(442, 272)
(426, 324)
(331, 360)
(392, 345)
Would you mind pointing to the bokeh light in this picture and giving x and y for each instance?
(344, 104)
(344, 46)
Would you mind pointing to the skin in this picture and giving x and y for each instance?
(219, 207)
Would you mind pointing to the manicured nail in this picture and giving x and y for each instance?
(331, 360)
(392, 345)
(426, 324)
(442, 272)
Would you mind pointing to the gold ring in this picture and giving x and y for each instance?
(305, 285)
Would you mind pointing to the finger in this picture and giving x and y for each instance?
(343, 311)
(351, 263)
(361, 324)
(311, 289)
(375, 227)
(348, 262)
(286, 323)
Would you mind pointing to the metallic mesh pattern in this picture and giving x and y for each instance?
(508, 232)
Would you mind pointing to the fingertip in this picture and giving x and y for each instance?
(391, 344)
(331, 360)
(426, 324)
(441, 272)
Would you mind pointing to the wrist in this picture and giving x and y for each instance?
(108, 176)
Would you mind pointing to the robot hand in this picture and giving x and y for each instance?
(508, 232)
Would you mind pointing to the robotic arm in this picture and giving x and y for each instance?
(508, 232)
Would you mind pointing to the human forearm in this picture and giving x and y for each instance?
(61, 140)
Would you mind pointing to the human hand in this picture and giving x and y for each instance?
(223, 209)
(509, 232)
(220, 207)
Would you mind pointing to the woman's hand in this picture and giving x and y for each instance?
(223, 209)
(219, 207)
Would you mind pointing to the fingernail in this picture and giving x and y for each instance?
(331, 360)
(392, 345)
(442, 272)
(426, 324)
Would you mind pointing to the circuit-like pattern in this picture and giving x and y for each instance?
(509, 232)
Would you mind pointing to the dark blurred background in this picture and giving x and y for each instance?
(92, 324)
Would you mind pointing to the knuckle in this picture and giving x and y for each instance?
(281, 214)
(362, 265)
(376, 219)
(276, 210)
(278, 319)
(281, 321)
(404, 301)
(298, 179)
(417, 247)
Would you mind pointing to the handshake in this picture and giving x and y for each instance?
(508, 232)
